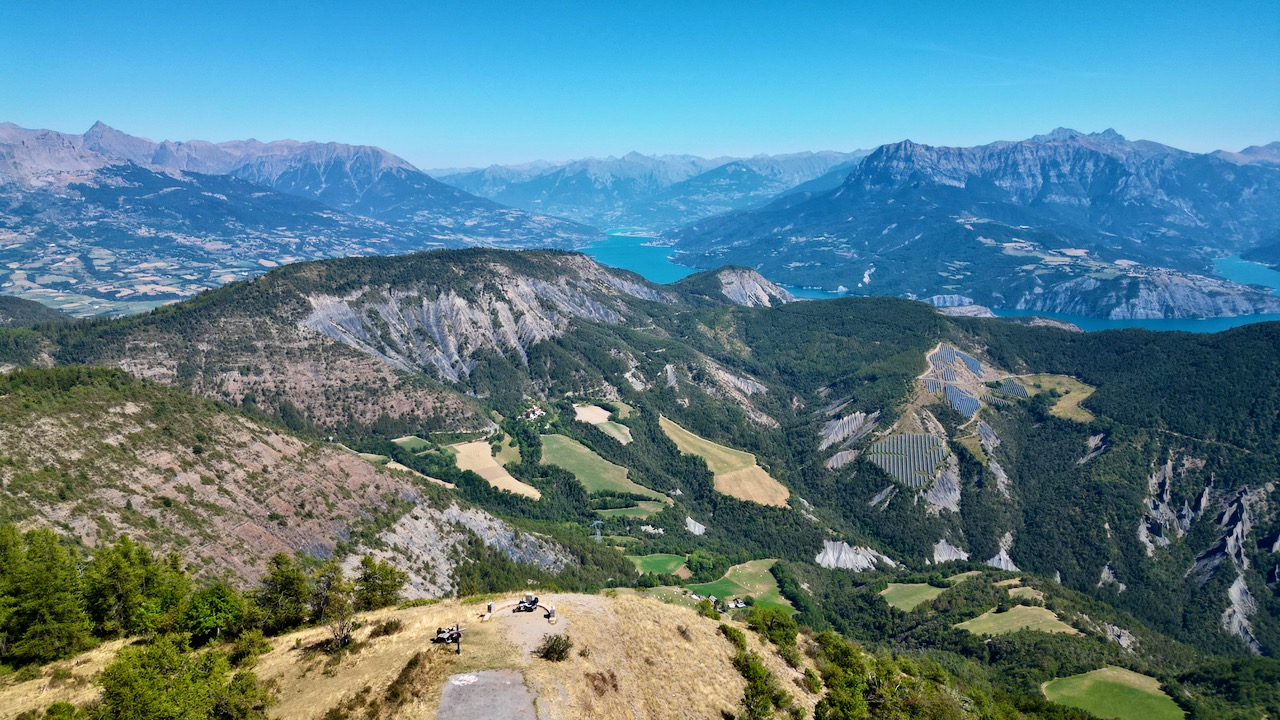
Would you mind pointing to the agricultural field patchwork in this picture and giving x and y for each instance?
(736, 472)
(911, 459)
(1073, 393)
(477, 456)
(1018, 617)
(598, 416)
(1113, 692)
(750, 578)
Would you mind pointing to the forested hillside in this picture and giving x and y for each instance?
(1123, 480)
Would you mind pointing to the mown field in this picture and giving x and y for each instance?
(1113, 692)
(736, 472)
(1018, 617)
(906, 596)
(594, 472)
(412, 443)
(658, 563)
(598, 416)
(750, 578)
(477, 456)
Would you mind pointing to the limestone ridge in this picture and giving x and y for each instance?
(1110, 227)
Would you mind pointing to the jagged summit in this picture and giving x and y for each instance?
(1063, 134)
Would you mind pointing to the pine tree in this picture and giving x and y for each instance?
(283, 594)
(48, 619)
(378, 584)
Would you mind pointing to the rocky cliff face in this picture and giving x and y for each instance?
(418, 326)
(750, 289)
(428, 543)
(1092, 224)
(1153, 296)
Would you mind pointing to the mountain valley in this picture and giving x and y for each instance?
(321, 409)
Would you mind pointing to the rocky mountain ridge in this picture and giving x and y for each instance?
(109, 222)
(1040, 223)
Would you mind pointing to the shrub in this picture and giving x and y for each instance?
(554, 648)
(386, 627)
(774, 624)
(684, 632)
(812, 682)
(735, 636)
(248, 647)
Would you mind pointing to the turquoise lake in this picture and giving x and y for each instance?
(657, 264)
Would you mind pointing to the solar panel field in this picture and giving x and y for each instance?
(964, 403)
(911, 459)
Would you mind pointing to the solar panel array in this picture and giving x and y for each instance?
(964, 403)
(974, 366)
(996, 400)
(948, 374)
(933, 386)
(1011, 387)
(945, 356)
(911, 459)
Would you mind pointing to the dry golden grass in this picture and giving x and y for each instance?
(477, 456)
(598, 416)
(1073, 392)
(1018, 617)
(662, 671)
(591, 414)
(1026, 592)
(735, 472)
(19, 697)
(660, 674)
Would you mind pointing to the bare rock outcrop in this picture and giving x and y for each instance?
(944, 492)
(845, 557)
(847, 430)
(1108, 577)
(419, 326)
(427, 542)
(750, 289)
(1235, 619)
(694, 526)
(944, 551)
(1002, 560)
(1094, 446)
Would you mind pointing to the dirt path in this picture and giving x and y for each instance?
(486, 695)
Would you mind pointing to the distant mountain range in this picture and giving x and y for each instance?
(106, 221)
(1088, 224)
(1084, 224)
(649, 191)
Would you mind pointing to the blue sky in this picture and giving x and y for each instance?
(471, 83)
